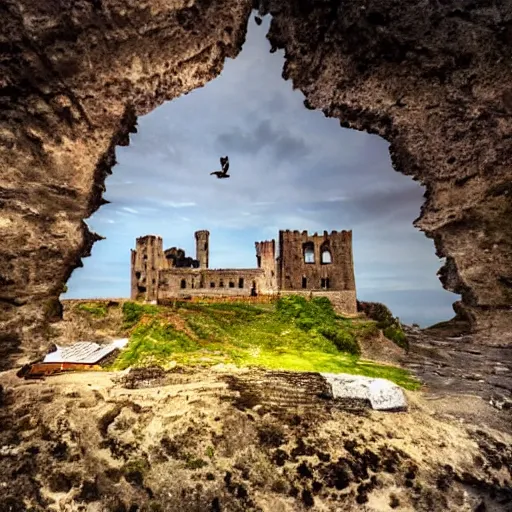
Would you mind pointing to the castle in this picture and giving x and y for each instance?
(312, 265)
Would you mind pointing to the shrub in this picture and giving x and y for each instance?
(311, 312)
(376, 311)
(305, 323)
(93, 308)
(317, 315)
(396, 335)
(344, 341)
(389, 325)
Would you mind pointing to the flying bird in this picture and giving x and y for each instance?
(224, 162)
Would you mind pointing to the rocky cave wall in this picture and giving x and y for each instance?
(432, 77)
(74, 76)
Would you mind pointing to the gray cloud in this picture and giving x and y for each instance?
(264, 138)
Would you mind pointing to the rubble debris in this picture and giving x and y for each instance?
(81, 356)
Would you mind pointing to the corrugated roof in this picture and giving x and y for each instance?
(84, 352)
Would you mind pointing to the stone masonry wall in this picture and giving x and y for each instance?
(180, 282)
(295, 273)
(147, 260)
(266, 258)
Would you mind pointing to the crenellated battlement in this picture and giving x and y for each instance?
(305, 233)
(307, 263)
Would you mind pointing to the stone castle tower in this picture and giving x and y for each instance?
(146, 261)
(315, 262)
(266, 260)
(202, 247)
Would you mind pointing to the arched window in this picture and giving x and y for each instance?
(183, 283)
(309, 252)
(326, 256)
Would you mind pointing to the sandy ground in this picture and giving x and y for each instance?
(236, 440)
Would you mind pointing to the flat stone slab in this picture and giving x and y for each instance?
(383, 394)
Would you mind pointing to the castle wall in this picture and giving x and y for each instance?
(266, 260)
(146, 261)
(294, 273)
(178, 282)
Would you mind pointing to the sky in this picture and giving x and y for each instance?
(291, 168)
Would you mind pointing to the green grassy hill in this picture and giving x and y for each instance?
(291, 334)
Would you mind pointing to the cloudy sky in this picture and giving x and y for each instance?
(291, 168)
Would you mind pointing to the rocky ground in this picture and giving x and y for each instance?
(479, 376)
(232, 440)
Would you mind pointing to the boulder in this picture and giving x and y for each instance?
(382, 394)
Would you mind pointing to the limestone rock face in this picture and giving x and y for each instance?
(432, 78)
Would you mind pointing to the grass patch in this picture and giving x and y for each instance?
(96, 309)
(294, 334)
(154, 342)
(133, 313)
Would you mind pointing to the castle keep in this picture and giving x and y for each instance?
(312, 265)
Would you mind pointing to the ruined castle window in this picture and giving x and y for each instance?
(212, 285)
(154, 281)
(326, 257)
(259, 261)
(137, 275)
(324, 283)
(231, 284)
(304, 282)
(221, 284)
(309, 252)
(241, 282)
(183, 283)
(206, 246)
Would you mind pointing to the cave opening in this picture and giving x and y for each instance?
(291, 168)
